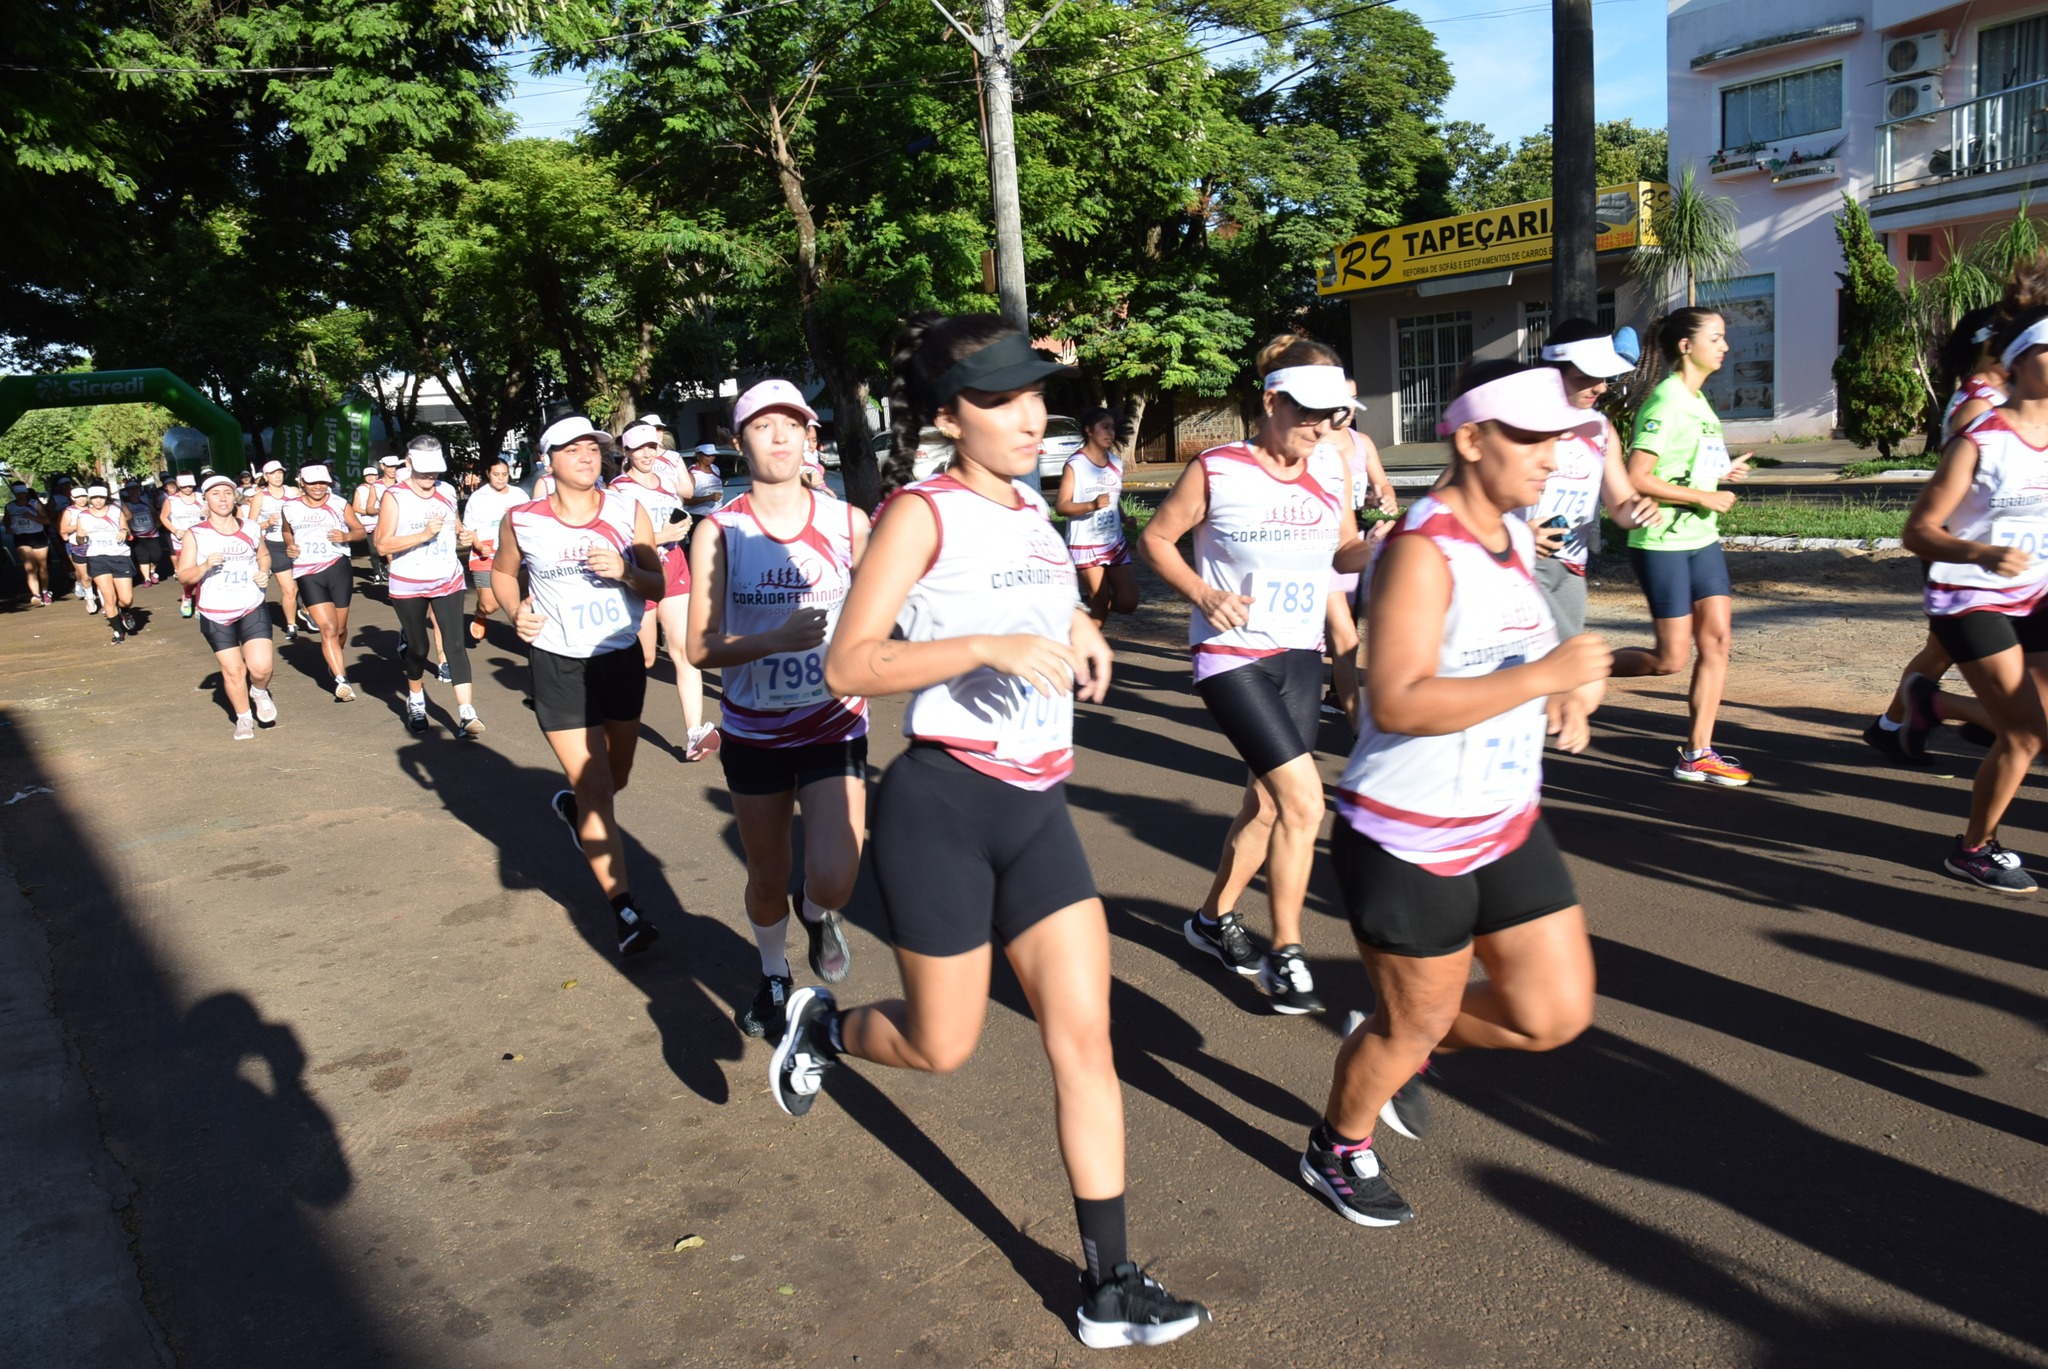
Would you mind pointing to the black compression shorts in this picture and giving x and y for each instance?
(1400, 908)
(253, 626)
(331, 584)
(571, 693)
(960, 856)
(121, 567)
(755, 769)
(1268, 708)
(1976, 636)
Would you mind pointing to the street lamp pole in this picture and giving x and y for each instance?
(998, 52)
(1573, 176)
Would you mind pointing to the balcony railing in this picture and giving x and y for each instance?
(1990, 133)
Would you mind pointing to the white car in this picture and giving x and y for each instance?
(1063, 437)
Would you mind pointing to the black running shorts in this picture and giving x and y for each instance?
(754, 769)
(961, 856)
(571, 693)
(253, 626)
(1269, 708)
(121, 567)
(280, 559)
(331, 584)
(1402, 909)
(1977, 636)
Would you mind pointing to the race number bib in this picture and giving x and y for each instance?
(1287, 608)
(590, 621)
(1711, 464)
(791, 679)
(1036, 723)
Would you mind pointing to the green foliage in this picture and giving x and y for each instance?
(1880, 383)
(1696, 240)
(1492, 174)
(1915, 461)
(46, 442)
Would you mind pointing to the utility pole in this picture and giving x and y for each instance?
(1574, 286)
(998, 83)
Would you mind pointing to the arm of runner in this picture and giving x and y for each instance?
(867, 661)
(1966, 413)
(1186, 505)
(190, 569)
(1624, 504)
(1569, 716)
(262, 564)
(640, 572)
(353, 531)
(1091, 683)
(1410, 597)
(1063, 501)
(506, 588)
(1926, 534)
(1354, 553)
(859, 529)
(1641, 475)
(705, 641)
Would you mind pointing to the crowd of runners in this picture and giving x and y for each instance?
(965, 594)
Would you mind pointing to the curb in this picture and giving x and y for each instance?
(1814, 543)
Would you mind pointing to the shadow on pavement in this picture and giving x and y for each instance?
(206, 1108)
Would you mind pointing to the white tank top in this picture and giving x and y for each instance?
(999, 570)
(1102, 530)
(430, 569)
(141, 517)
(1454, 803)
(2006, 505)
(181, 513)
(707, 490)
(781, 700)
(1971, 388)
(1273, 540)
(101, 532)
(1573, 493)
(267, 508)
(310, 525)
(660, 500)
(484, 516)
(586, 616)
(22, 519)
(229, 589)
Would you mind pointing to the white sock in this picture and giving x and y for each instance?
(773, 942)
(256, 693)
(245, 717)
(814, 914)
(1889, 726)
(466, 711)
(416, 698)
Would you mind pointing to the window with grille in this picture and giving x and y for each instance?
(1430, 350)
(1780, 107)
(1536, 324)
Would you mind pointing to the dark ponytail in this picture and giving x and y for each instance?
(1962, 348)
(2024, 304)
(930, 345)
(1674, 328)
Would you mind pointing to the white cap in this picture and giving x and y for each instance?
(315, 475)
(771, 394)
(639, 435)
(270, 466)
(213, 480)
(563, 431)
(1592, 356)
(96, 492)
(1314, 387)
(186, 479)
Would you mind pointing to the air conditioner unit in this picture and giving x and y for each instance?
(1915, 56)
(1912, 99)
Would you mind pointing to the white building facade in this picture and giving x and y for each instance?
(1935, 118)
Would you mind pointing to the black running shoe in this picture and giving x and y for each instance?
(119, 636)
(831, 957)
(1355, 1183)
(1976, 735)
(1287, 982)
(564, 804)
(128, 620)
(1226, 939)
(1886, 744)
(1408, 1110)
(1990, 866)
(797, 1069)
(1128, 1308)
(636, 933)
(1921, 718)
(764, 1016)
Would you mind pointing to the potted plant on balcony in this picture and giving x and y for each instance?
(1734, 161)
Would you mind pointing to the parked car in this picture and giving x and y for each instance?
(1063, 437)
(934, 453)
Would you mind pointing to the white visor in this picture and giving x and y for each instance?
(2036, 336)
(96, 492)
(1592, 356)
(427, 462)
(315, 475)
(1314, 387)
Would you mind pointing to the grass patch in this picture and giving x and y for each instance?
(1878, 465)
(1849, 519)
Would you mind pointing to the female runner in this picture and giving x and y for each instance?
(225, 562)
(1271, 517)
(1090, 498)
(1440, 848)
(971, 837)
(182, 508)
(102, 526)
(1589, 475)
(1679, 459)
(145, 536)
(707, 486)
(647, 482)
(482, 515)
(30, 528)
(586, 556)
(1982, 524)
(267, 511)
(768, 576)
(1919, 704)
(318, 528)
(422, 539)
(1369, 485)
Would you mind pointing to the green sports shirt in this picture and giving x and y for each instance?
(1681, 429)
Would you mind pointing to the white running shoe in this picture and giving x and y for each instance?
(245, 728)
(704, 739)
(344, 693)
(265, 706)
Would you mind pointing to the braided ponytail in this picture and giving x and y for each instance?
(929, 346)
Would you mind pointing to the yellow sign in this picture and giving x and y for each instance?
(1518, 235)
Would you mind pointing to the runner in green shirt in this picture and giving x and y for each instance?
(1678, 458)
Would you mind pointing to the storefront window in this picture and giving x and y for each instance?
(1536, 324)
(1746, 386)
(1431, 350)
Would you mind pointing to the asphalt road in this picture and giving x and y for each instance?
(346, 1005)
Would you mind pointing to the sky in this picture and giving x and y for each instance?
(1499, 51)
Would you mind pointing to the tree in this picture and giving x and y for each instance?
(46, 442)
(1881, 384)
(1491, 174)
(1696, 240)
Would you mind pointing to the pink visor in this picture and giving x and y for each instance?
(1532, 400)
